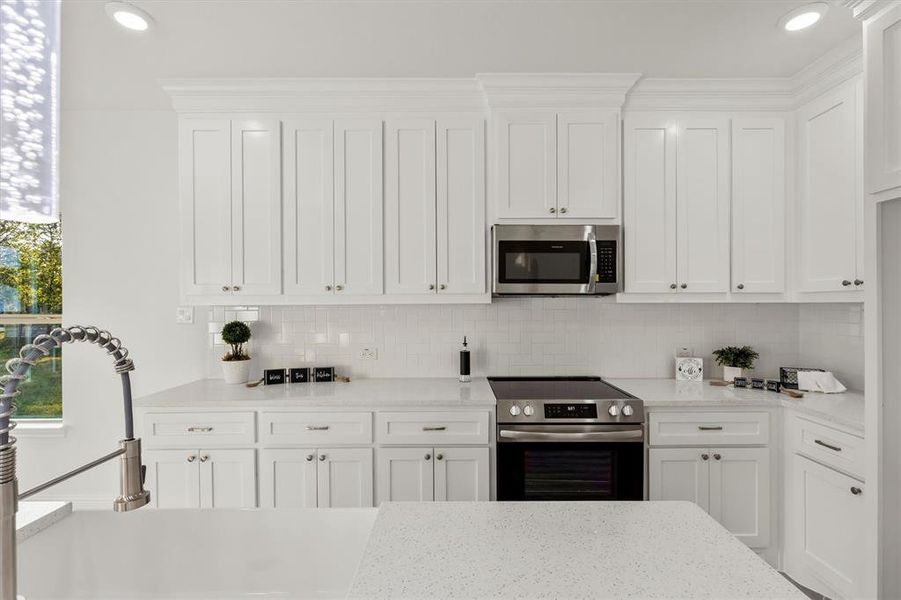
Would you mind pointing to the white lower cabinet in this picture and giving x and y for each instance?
(224, 478)
(316, 477)
(426, 474)
(732, 484)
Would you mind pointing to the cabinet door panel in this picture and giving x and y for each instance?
(228, 479)
(758, 205)
(828, 191)
(309, 208)
(461, 205)
(526, 163)
(410, 227)
(204, 188)
(588, 165)
(358, 206)
(288, 478)
(702, 198)
(740, 493)
(882, 37)
(461, 474)
(345, 477)
(405, 475)
(650, 205)
(173, 478)
(679, 474)
(256, 207)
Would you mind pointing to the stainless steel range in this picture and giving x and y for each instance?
(568, 438)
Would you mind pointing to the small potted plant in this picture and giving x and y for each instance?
(734, 359)
(236, 362)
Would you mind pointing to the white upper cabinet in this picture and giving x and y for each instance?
(830, 191)
(702, 205)
(205, 191)
(309, 207)
(526, 164)
(588, 164)
(557, 164)
(758, 205)
(230, 178)
(882, 40)
(358, 207)
(461, 234)
(410, 207)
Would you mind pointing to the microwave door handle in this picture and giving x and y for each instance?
(593, 266)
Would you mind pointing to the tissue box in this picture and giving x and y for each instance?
(788, 376)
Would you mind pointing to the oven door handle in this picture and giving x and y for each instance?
(593, 265)
(629, 435)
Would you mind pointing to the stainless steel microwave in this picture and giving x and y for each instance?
(556, 260)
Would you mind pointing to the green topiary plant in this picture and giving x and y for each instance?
(236, 334)
(733, 356)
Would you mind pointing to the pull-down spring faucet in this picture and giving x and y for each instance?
(131, 471)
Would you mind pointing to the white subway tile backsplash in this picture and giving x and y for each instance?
(830, 336)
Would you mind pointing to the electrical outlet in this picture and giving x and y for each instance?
(184, 314)
(369, 354)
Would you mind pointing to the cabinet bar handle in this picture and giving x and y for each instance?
(440, 428)
(710, 427)
(317, 427)
(825, 445)
(199, 429)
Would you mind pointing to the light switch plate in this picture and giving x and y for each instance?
(184, 314)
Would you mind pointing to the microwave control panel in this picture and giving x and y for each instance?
(606, 261)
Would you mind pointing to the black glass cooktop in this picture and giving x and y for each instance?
(554, 388)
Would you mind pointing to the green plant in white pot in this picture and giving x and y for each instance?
(734, 359)
(236, 362)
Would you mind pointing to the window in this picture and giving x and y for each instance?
(30, 232)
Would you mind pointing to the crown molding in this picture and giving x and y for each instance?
(836, 66)
(557, 90)
(323, 95)
(864, 9)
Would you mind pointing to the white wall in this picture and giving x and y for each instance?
(119, 203)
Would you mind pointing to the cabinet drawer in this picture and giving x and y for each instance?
(315, 428)
(194, 430)
(827, 445)
(433, 428)
(709, 428)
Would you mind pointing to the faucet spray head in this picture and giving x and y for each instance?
(132, 494)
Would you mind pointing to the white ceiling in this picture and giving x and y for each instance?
(104, 66)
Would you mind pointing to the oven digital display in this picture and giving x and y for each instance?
(570, 411)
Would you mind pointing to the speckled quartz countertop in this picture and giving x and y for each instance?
(523, 550)
(845, 409)
(372, 393)
(34, 517)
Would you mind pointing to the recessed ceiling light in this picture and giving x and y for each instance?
(803, 16)
(129, 16)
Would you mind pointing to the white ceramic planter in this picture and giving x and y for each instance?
(730, 373)
(236, 371)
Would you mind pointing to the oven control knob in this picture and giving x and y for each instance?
(613, 410)
(515, 410)
(628, 411)
(528, 410)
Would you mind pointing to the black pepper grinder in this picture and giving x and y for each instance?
(464, 363)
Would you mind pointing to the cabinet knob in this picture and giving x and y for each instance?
(705, 457)
(563, 210)
(225, 288)
(428, 457)
(717, 456)
(431, 286)
(442, 287)
(321, 457)
(846, 282)
(237, 288)
(339, 287)
(858, 282)
(553, 210)
(856, 491)
(192, 458)
(672, 286)
(440, 457)
(740, 286)
(309, 457)
(204, 458)
(328, 288)
(684, 285)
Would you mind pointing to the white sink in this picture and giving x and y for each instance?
(222, 554)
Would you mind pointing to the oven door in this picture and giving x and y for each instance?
(570, 462)
(545, 259)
